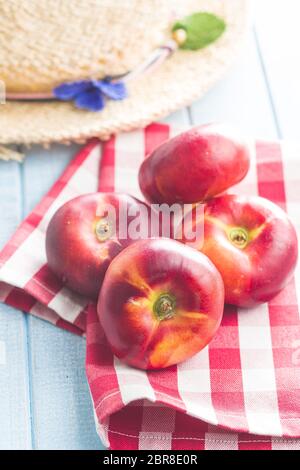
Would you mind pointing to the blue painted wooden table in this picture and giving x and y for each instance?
(44, 398)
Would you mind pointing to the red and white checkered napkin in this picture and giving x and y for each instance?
(242, 391)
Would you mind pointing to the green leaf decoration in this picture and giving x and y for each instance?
(201, 28)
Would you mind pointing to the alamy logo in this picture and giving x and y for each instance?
(183, 222)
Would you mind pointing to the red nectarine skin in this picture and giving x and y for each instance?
(81, 241)
(194, 166)
(253, 244)
(161, 303)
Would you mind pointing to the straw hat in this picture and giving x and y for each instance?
(44, 44)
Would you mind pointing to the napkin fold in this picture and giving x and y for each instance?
(240, 392)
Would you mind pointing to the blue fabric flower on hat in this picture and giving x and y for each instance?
(90, 94)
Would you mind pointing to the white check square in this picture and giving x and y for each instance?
(259, 380)
(255, 337)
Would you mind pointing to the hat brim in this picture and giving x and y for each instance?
(184, 77)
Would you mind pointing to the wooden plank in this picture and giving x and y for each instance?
(61, 404)
(278, 34)
(179, 118)
(241, 98)
(15, 425)
(62, 413)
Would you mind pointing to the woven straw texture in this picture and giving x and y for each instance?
(181, 79)
(44, 43)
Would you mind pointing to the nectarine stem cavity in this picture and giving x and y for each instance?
(239, 237)
(103, 230)
(164, 307)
